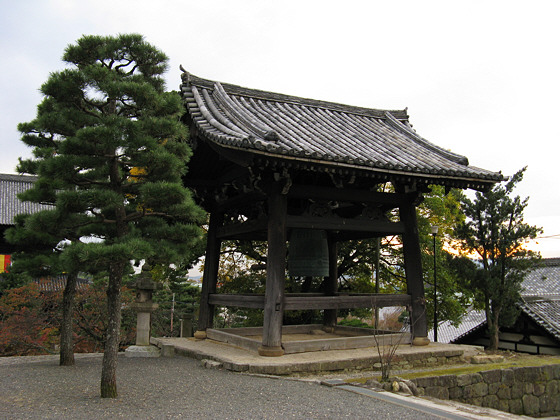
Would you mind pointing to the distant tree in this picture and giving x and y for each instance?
(495, 235)
(110, 152)
(177, 299)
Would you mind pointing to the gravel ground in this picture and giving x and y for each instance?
(179, 387)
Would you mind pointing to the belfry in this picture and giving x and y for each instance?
(303, 175)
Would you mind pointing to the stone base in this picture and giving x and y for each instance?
(420, 341)
(142, 351)
(271, 351)
(200, 335)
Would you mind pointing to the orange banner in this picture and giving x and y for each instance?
(5, 261)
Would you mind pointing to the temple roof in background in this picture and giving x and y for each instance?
(11, 206)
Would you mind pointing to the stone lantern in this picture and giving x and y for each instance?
(144, 306)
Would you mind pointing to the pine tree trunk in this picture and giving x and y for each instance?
(66, 330)
(494, 332)
(109, 368)
(494, 338)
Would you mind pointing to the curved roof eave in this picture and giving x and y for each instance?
(302, 130)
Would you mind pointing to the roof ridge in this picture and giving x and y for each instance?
(191, 79)
(18, 177)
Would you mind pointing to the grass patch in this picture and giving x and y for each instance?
(513, 361)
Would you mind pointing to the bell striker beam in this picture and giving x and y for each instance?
(414, 279)
(210, 275)
(275, 275)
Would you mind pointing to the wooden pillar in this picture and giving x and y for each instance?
(275, 276)
(414, 278)
(210, 276)
(331, 286)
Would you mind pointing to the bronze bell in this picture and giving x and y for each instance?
(308, 253)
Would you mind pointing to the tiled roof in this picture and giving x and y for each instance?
(541, 296)
(58, 283)
(540, 300)
(448, 332)
(10, 205)
(544, 280)
(306, 130)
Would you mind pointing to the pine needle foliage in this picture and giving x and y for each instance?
(110, 152)
(495, 235)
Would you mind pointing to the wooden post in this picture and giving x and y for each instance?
(209, 277)
(331, 286)
(275, 276)
(414, 279)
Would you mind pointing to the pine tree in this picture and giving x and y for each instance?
(110, 152)
(496, 234)
(39, 238)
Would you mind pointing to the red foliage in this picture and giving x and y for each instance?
(30, 320)
(26, 323)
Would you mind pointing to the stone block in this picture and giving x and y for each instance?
(493, 388)
(546, 404)
(517, 390)
(439, 392)
(503, 405)
(335, 382)
(491, 376)
(507, 377)
(142, 351)
(211, 364)
(539, 389)
(447, 381)
(531, 405)
(486, 358)
(555, 370)
(552, 387)
(516, 406)
(504, 392)
(480, 389)
(456, 393)
(528, 388)
(168, 350)
(464, 380)
(490, 401)
(425, 382)
(476, 378)
(468, 392)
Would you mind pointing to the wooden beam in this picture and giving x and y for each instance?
(242, 301)
(331, 283)
(414, 278)
(379, 227)
(349, 195)
(275, 275)
(210, 276)
(294, 303)
(241, 200)
(250, 228)
(301, 301)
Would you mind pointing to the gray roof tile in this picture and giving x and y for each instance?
(540, 300)
(301, 129)
(10, 205)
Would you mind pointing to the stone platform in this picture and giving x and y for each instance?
(310, 338)
(237, 359)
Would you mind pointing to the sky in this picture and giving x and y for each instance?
(480, 78)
